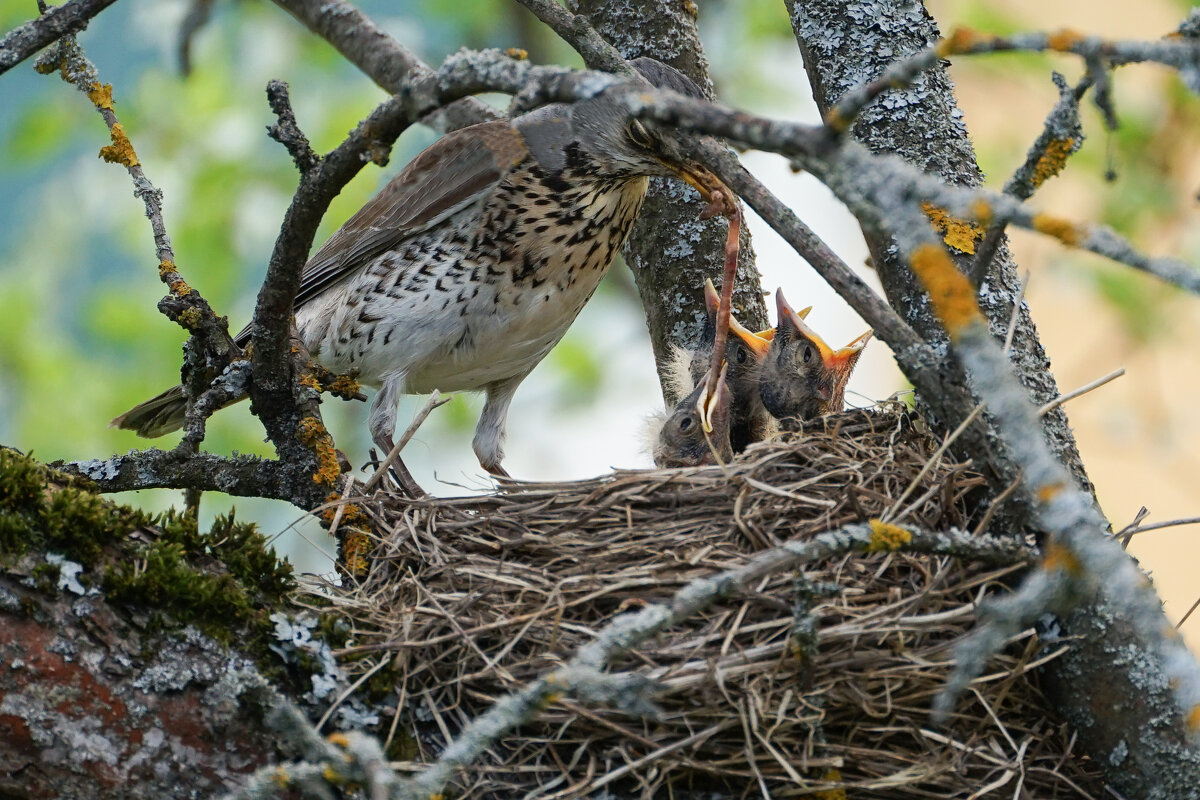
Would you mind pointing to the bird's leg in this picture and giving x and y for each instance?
(489, 433)
(381, 420)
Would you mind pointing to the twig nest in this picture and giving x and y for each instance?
(808, 682)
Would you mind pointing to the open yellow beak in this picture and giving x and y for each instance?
(759, 344)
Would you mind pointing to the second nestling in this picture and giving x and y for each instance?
(770, 380)
(801, 377)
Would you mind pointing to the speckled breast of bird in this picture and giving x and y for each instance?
(484, 298)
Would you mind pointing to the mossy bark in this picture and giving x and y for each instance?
(117, 674)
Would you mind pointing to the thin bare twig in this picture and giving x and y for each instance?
(55, 23)
(435, 400)
(1082, 390)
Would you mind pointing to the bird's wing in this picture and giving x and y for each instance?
(457, 170)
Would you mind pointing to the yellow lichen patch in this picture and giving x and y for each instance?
(1060, 558)
(179, 288)
(280, 778)
(312, 433)
(1065, 231)
(517, 53)
(1048, 492)
(1193, 719)
(354, 546)
(345, 386)
(1053, 160)
(958, 233)
(1063, 40)
(309, 380)
(338, 740)
(190, 318)
(949, 290)
(101, 96)
(961, 40)
(121, 149)
(165, 267)
(886, 537)
(835, 120)
(831, 794)
(981, 210)
(691, 9)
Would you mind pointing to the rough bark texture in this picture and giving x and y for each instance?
(671, 251)
(92, 707)
(1116, 698)
(847, 45)
(108, 686)
(1109, 687)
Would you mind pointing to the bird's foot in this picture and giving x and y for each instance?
(397, 474)
(497, 471)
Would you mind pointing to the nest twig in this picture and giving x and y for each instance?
(805, 683)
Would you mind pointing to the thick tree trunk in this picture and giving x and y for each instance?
(670, 251)
(844, 48)
(1108, 686)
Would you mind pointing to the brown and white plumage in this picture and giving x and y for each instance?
(469, 266)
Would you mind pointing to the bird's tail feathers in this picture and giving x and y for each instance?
(157, 416)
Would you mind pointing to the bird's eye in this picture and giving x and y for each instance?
(808, 353)
(741, 355)
(685, 424)
(638, 134)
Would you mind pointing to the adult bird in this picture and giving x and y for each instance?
(802, 377)
(469, 266)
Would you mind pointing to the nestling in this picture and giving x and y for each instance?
(744, 351)
(679, 438)
(469, 266)
(802, 377)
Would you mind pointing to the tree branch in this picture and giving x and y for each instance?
(243, 476)
(384, 60)
(670, 251)
(575, 30)
(1081, 560)
(210, 347)
(71, 17)
(1061, 137)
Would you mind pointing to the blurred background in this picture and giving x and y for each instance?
(81, 340)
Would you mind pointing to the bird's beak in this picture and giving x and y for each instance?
(756, 342)
(714, 408)
(843, 360)
(790, 320)
(712, 298)
(857, 344)
(700, 179)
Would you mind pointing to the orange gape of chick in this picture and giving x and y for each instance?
(777, 376)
